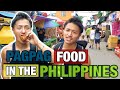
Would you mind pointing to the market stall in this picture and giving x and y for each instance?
(116, 31)
(49, 26)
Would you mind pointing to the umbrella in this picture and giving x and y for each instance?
(39, 20)
(40, 17)
(50, 24)
(39, 23)
(58, 20)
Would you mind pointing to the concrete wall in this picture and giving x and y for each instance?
(66, 17)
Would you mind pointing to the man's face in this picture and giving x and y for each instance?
(71, 33)
(21, 28)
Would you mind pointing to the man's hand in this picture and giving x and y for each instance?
(32, 38)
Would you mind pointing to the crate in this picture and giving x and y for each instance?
(113, 39)
(112, 45)
(117, 51)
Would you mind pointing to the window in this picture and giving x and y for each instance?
(63, 13)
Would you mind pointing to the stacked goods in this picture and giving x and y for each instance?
(118, 30)
(103, 27)
(118, 15)
(117, 51)
(112, 41)
(115, 26)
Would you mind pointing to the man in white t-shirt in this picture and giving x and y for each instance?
(92, 37)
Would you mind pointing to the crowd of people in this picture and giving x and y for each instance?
(95, 34)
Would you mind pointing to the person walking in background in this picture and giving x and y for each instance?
(88, 33)
(97, 38)
(92, 37)
(107, 34)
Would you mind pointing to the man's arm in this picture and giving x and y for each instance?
(41, 46)
(44, 47)
(3, 56)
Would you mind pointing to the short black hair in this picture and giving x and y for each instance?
(76, 21)
(19, 16)
(97, 30)
(94, 27)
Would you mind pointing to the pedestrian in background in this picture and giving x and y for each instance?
(88, 33)
(97, 38)
(92, 36)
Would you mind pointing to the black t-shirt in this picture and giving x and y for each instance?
(32, 47)
(79, 47)
(82, 43)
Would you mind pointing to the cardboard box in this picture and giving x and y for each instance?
(112, 45)
(103, 27)
(113, 39)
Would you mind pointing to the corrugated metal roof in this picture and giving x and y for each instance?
(7, 14)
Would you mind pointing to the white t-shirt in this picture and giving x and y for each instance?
(92, 34)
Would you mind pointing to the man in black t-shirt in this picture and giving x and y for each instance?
(73, 29)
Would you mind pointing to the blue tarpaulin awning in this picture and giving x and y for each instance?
(7, 14)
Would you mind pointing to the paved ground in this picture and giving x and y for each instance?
(104, 57)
